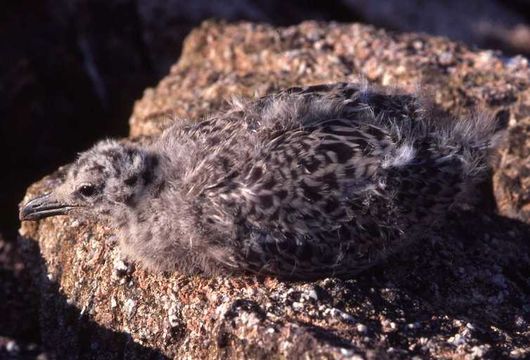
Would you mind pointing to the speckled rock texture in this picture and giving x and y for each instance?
(464, 294)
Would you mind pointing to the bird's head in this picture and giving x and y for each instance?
(103, 181)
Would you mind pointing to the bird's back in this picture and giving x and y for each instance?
(328, 179)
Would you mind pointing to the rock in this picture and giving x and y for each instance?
(463, 293)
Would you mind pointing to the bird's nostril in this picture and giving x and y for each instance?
(34, 204)
(39, 202)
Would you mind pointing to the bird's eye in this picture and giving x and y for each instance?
(131, 181)
(87, 190)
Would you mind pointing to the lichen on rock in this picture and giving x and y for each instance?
(459, 295)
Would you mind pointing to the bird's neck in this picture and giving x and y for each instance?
(164, 233)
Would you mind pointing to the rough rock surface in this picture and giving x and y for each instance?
(462, 295)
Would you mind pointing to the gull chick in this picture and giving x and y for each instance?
(305, 183)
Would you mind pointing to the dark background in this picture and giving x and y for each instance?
(70, 72)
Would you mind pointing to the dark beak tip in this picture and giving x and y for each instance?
(26, 211)
(24, 214)
(21, 214)
(24, 217)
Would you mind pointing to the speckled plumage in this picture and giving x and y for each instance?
(305, 183)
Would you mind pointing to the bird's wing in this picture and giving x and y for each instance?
(311, 201)
(317, 153)
(316, 179)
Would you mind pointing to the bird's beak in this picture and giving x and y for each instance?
(43, 206)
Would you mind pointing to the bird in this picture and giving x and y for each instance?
(303, 183)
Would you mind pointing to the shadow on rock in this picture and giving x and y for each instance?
(68, 332)
(470, 287)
